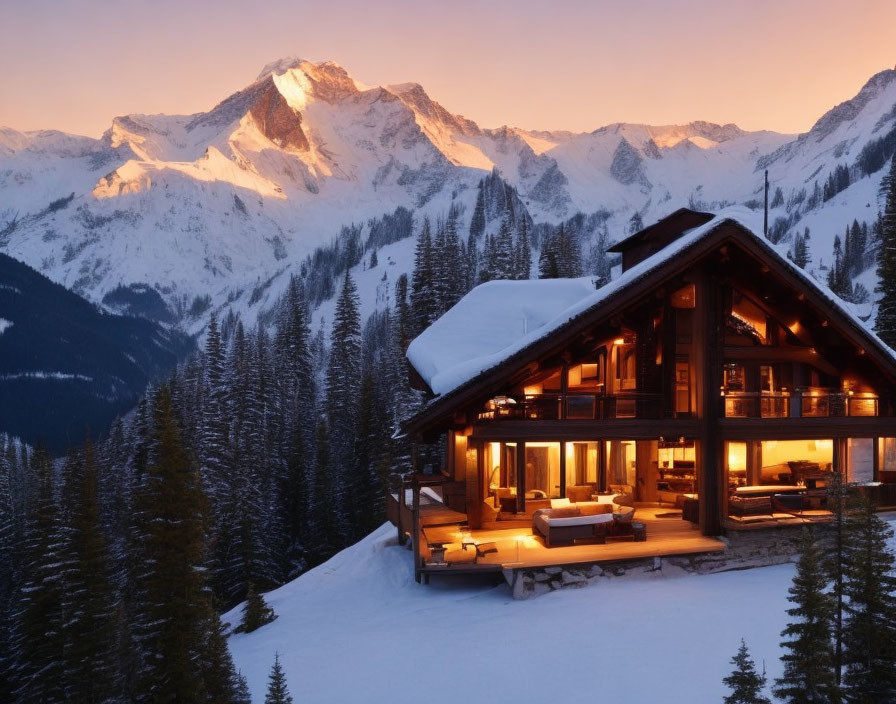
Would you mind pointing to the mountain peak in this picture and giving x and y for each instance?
(280, 66)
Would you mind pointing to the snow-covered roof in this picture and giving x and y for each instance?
(501, 318)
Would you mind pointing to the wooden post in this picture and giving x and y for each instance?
(712, 330)
(520, 476)
(562, 468)
(415, 535)
(476, 475)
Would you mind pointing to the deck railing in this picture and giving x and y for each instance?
(799, 404)
(575, 406)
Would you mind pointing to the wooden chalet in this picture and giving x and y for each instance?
(713, 384)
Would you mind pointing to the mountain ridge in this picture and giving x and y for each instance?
(217, 202)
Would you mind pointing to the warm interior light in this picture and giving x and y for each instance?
(619, 341)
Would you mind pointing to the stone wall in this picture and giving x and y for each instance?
(743, 549)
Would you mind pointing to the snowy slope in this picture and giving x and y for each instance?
(358, 626)
(225, 203)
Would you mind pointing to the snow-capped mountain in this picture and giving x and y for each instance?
(214, 208)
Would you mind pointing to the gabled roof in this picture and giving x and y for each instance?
(497, 327)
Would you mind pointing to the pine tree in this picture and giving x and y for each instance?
(635, 224)
(839, 503)
(869, 632)
(808, 663)
(502, 266)
(800, 254)
(343, 391)
(745, 683)
(278, 692)
(256, 613)
(477, 223)
(39, 641)
(172, 607)
(241, 690)
(89, 601)
(523, 255)
(219, 679)
(885, 325)
(7, 569)
(423, 302)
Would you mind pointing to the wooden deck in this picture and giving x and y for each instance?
(517, 548)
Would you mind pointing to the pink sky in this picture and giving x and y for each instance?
(577, 65)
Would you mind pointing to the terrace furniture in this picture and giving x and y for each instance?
(566, 525)
(480, 549)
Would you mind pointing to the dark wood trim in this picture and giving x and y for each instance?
(521, 476)
(711, 319)
(580, 430)
(805, 428)
(770, 354)
(562, 468)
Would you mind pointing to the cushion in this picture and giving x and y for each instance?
(592, 508)
(568, 512)
(580, 492)
(560, 503)
(489, 512)
(555, 522)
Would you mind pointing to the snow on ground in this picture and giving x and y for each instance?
(359, 628)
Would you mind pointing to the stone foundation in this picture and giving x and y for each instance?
(745, 549)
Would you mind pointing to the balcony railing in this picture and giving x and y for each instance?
(575, 406)
(799, 404)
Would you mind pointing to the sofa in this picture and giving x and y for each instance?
(566, 523)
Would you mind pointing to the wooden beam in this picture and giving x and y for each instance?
(805, 428)
(581, 430)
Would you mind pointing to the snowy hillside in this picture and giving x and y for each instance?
(215, 209)
(360, 625)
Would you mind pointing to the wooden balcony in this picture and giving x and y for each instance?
(799, 404)
(574, 406)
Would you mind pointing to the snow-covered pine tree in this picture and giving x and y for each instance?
(745, 683)
(170, 616)
(635, 223)
(548, 260)
(241, 693)
(885, 325)
(503, 264)
(869, 631)
(808, 661)
(343, 392)
(477, 222)
(600, 261)
(38, 640)
(8, 576)
(455, 263)
(423, 296)
(800, 253)
(523, 251)
(839, 503)
(278, 691)
(89, 602)
(220, 682)
(256, 612)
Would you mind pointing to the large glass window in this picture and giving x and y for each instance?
(798, 462)
(581, 464)
(621, 462)
(887, 454)
(542, 470)
(860, 460)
